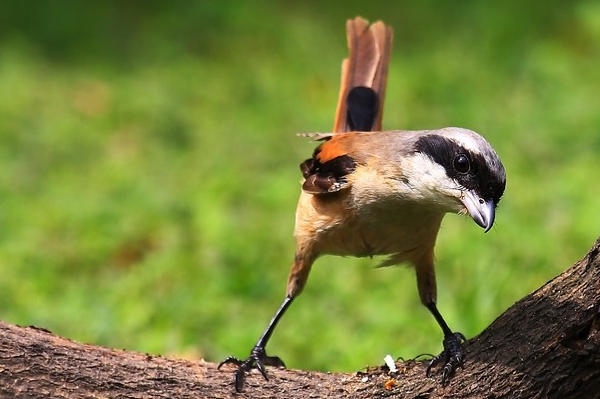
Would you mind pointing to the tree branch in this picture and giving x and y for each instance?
(545, 345)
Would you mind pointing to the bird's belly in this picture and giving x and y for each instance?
(403, 236)
(402, 230)
(366, 239)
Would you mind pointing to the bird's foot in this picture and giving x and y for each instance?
(452, 356)
(258, 359)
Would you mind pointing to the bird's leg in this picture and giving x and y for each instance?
(258, 356)
(452, 356)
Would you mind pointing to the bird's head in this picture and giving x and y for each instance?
(464, 170)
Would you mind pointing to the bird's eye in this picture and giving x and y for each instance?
(462, 163)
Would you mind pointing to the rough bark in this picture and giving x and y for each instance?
(547, 345)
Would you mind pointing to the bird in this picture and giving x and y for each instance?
(367, 192)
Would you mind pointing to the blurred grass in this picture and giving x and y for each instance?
(148, 168)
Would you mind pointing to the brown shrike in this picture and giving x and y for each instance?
(370, 192)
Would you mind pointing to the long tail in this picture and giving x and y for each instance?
(364, 76)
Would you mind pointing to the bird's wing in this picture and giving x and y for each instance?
(326, 171)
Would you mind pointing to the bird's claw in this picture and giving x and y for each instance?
(258, 359)
(452, 356)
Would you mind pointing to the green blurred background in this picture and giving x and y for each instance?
(149, 168)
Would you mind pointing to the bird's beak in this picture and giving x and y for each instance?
(481, 211)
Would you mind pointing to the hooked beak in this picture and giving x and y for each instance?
(481, 211)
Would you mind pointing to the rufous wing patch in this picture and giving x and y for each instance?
(326, 171)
